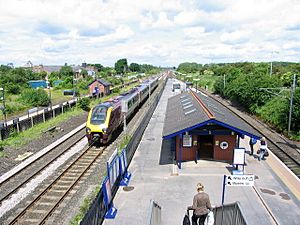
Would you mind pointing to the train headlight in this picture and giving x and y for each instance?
(88, 130)
(103, 128)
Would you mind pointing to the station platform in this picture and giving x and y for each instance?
(155, 177)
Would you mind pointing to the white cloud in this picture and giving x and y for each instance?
(161, 32)
(194, 32)
(235, 37)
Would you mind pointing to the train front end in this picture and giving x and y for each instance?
(97, 130)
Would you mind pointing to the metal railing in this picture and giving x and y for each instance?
(229, 214)
(154, 216)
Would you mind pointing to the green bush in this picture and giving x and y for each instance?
(35, 97)
(275, 111)
(14, 89)
(84, 104)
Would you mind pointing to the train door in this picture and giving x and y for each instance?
(205, 147)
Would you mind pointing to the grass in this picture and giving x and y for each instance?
(2, 154)
(84, 207)
(124, 142)
(57, 96)
(204, 80)
(35, 132)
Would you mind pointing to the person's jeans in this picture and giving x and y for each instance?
(262, 154)
(201, 219)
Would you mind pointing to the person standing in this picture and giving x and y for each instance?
(201, 206)
(263, 148)
(252, 142)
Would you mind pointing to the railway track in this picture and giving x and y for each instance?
(21, 177)
(288, 153)
(44, 204)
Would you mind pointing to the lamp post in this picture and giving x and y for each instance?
(4, 108)
(291, 103)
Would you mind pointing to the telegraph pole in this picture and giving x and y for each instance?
(291, 103)
(4, 107)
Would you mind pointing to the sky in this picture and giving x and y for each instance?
(157, 32)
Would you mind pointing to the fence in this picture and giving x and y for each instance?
(154, 217)
(97, 210)
(34, 117)
(229, 214)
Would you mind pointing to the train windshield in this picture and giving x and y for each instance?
(98, 115)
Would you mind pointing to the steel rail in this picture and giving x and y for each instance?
(50, 150)
(45, 191)
(37, 172)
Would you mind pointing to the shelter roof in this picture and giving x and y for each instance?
(190, 110)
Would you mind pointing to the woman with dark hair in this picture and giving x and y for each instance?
(201, 206)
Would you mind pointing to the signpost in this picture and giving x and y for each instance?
(237, 180)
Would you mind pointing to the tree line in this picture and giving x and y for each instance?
(256, 89)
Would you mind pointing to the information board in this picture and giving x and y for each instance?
(239, 156)
(187, 141)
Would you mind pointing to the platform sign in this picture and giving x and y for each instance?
(239, 180)
(239, 156)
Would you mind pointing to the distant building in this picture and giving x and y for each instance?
(91, 70)
(99, 87)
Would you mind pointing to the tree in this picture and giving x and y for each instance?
(188, 67)
(65, 72)
(121, 66)
(98, 66)
(134, 67)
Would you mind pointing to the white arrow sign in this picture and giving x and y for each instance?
(240, 180)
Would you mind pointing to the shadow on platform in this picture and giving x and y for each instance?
(166, 153)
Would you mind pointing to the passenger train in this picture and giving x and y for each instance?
(106, 117)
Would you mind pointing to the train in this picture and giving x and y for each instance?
(107, 117)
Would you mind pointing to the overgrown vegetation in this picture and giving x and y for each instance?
(84, 207)
(252, 86)
(124, 142)
(84, 104)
